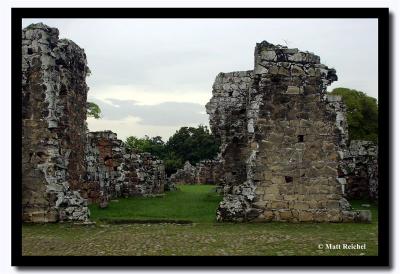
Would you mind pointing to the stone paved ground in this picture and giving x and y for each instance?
(197, 239)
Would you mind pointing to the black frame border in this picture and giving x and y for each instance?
(384, 94)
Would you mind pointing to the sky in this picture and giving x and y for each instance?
(153, 76)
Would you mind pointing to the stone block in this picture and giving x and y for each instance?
(285, 215)
(306, 216)
(289, 197)
(268, 215)
(321, 216)
(277, 204)
(277, 179)
(348, 216)
(301, 206)
(272, 189)
(363, 216)
(332, 204)
(334, 216)
(260, 204)
(297, 71)
(294, 90)
(271, 197)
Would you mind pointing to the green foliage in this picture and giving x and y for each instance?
(187, 144)
(196, 203)
(362, 114)
(93, 110)
(193, 144)
(172, 162)
(153, 145)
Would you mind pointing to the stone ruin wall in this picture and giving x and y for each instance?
(208, 172)
(228, 109)
(115, 171)
(360, 169)
(204, 172)
(63, 166)
(282, 139)
(53, 126)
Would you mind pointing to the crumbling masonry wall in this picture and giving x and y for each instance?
(360, 169)
(63, 166)
(102, 159)
(53, 126)
(282, 139)
(115, 171)
(204, 172)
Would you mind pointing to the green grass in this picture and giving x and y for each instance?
(196, 203)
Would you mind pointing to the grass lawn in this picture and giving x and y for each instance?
(204, 237)
(196, 203)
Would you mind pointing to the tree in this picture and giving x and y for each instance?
(93, 110)
(362, 114)
(172, 162)
(154, 145)
(187, 144)
(193, 144)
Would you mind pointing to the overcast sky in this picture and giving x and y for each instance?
(152, 76)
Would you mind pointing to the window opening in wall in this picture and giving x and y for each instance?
(288, 179)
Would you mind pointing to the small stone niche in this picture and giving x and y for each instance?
(288, 179)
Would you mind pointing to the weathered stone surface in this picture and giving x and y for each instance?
(359, 167)
(204, 172)
(115, 171)
(63, 166)
(186, 175)
(53, 126)
(363, 216)
(282, 139)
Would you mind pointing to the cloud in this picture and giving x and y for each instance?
(162, 114)
(149, 95)
(132, 126)
(164, 68)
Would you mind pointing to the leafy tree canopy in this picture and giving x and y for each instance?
(153, 145)
(93, 110)
(193, 144)
(187, 144)
(362, 114)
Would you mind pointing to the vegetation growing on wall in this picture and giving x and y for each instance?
(93, 110)
(362, 114)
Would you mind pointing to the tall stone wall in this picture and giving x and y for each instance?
(228, 109)
(282, 139)
(63, 166)
(103, 158)
(360, 169)
(53, 126)
(115, 171)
